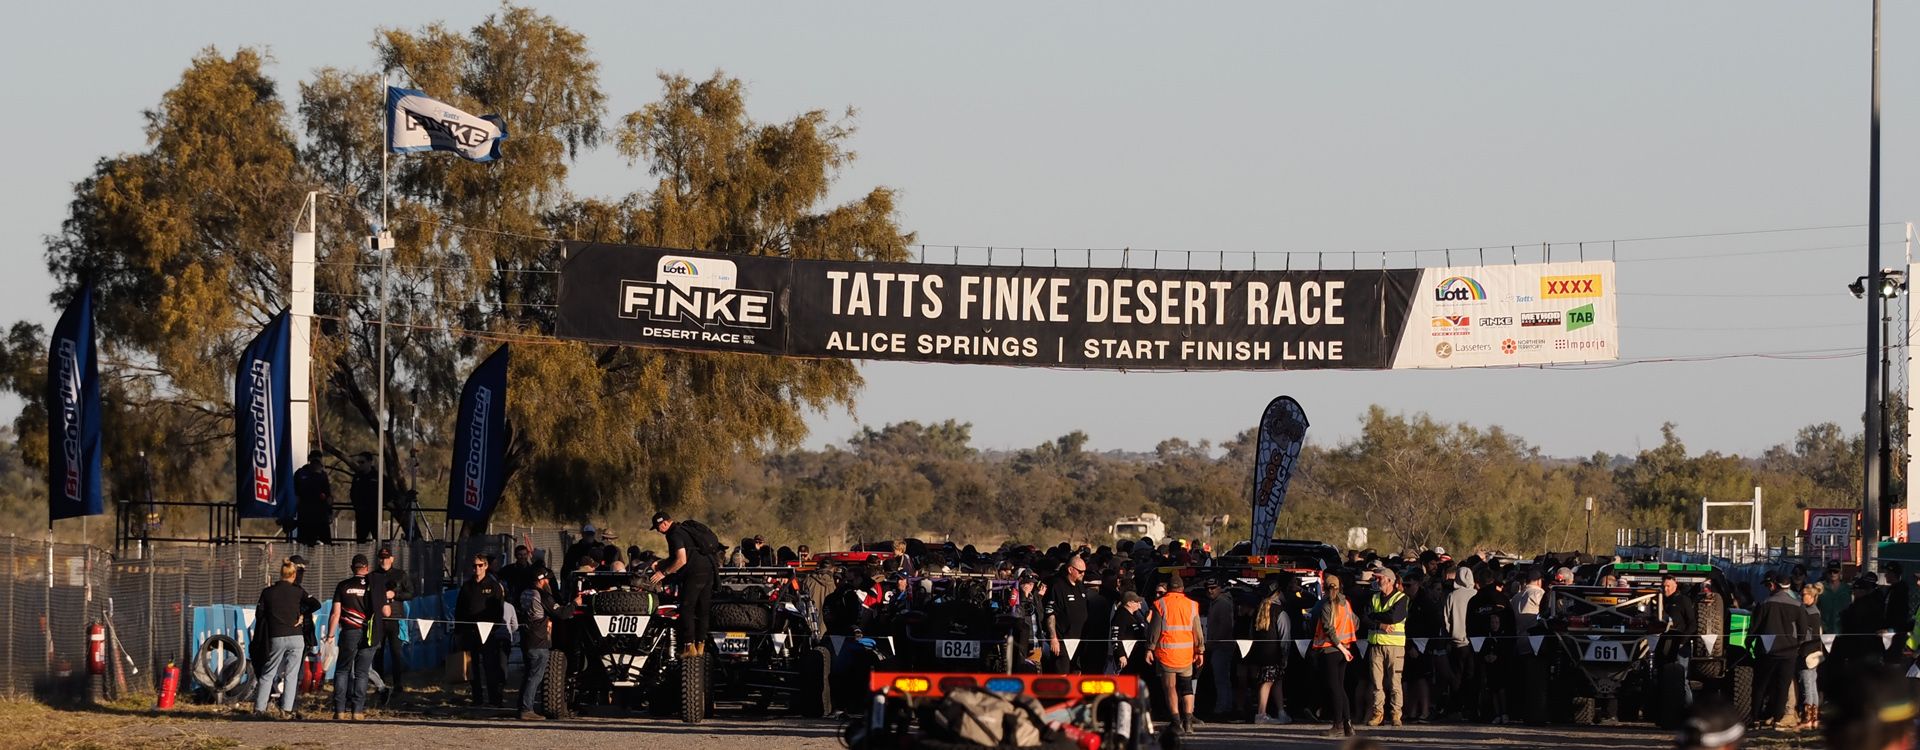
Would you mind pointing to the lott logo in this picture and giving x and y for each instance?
(476, 473)
(1579, 317)
(1567, 287)
(1459, 289)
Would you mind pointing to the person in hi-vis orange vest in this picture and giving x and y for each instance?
(1178, 637)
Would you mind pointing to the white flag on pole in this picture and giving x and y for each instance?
(417, 122)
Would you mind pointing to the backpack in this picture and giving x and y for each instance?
(705, 541)
(979, 717)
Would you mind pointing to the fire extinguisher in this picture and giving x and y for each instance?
(169, 685)
(96, 650)
(313, 673)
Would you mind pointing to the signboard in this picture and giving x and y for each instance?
(1095, 318)
(1830, 534)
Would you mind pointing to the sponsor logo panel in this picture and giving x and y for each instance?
(1569, 287)
(1540, 319)
(1579, 317)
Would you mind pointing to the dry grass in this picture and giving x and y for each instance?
(37, 726)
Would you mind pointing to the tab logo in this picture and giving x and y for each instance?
(1579, 317)
(701, 291)
(1567, 287)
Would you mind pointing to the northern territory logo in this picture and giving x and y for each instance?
(1579, 317)
(700, 291)
(1568, 287)
(1459, 289)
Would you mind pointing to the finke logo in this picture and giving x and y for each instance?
(260, 410)
(1459, 289)
(70, 417)
(703, 294)
(447, 125)
(476, 473)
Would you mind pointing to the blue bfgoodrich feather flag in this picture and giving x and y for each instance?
(263, 460)
(1283, 429)
(73, 418)
(480, 441)
(417, 122)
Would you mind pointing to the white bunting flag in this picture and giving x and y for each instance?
(1710, 640)
(1653, 642)
(1826, 641)
(1126, 647)
(1913, 671)
(1246, 647)
(1533, 642)
(887, 639)
(719, 638)
(486, 630)
(425, 627)
(1420, 645)
(1363, 646)
(1302, 645)
(417, 122)
(1477, 642)
(248, 615)
(1886, 640)
(780, 642)
(1766, 643)
(836, 641)
(1070, 644)
(1593, 638)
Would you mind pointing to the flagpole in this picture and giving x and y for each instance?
(380, 242)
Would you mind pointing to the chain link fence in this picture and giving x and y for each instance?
(52, 593)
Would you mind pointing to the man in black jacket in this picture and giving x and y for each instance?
(1776, 636)
(313, 501)
(284, 606)
(478, 611)
(399, 588)
(538, 610)
(1066, 614)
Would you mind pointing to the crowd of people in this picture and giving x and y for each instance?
(1389, 640)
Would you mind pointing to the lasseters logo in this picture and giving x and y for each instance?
(700, 291)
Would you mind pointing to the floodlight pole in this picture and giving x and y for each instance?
(1871, 501)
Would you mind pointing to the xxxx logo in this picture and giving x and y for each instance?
(1563, 287)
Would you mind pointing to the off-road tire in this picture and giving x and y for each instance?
(623, 603)
(813, 697)
(556, 697)
(740, 617)
(693, 688)
(1740, 685)
(1583, 710)
(1671, 704)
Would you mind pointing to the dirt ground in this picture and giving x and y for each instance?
(41, 727)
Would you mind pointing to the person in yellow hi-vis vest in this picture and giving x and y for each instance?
(1387, 646)
(1178, 637)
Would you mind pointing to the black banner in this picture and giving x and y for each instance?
(1119, 318)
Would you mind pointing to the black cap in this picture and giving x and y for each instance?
(385, 554)
(297, 560)
(540, 573)
(359, 560)
(658, 517)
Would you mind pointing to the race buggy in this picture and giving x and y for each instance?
(967, 624)
(763, 644)
(619, 649)
(948, 711)
(1607, 647)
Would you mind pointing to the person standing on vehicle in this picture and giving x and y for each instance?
(538, 609)
(283, 607)
(1387, 647)
(1780, 617)
(353, 607)
(1332, 647)
(691, 551)
(1066, 614)
(1178, 639)
(313, 501)
(478, 612)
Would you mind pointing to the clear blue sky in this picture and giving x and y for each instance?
(1239, 127)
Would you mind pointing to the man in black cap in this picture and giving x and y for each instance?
(538, 610)
(690, 555)
(354, 606)
(313, 501)
(399, 588)
(1777, 625)
(478, 611)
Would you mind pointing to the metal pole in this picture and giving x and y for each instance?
(1870, 517)
(379, 243)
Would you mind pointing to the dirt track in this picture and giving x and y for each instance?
(733, 732)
